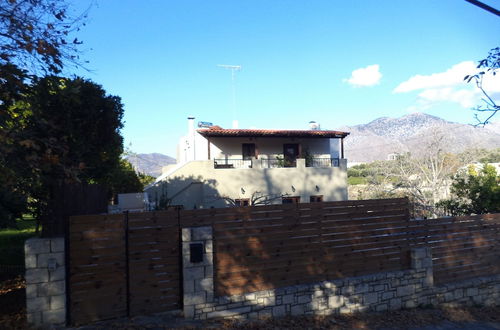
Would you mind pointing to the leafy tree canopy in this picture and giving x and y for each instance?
(476, 192)
(75, 128)
(59, 130)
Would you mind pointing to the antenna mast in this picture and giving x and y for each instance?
(234, 69)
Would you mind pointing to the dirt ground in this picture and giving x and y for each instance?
(12, 316)
(12, 303)
(473, 318)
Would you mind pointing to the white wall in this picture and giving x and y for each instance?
(267, 147)
(331, 182)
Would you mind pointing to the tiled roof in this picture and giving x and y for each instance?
(216, 131)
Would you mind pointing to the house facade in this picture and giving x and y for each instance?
(220, 167)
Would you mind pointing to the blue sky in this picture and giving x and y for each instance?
(335, 62)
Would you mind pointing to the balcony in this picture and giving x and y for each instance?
(274, 163)
(232, 163)
(322, 162)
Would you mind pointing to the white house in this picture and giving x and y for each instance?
(220, 167)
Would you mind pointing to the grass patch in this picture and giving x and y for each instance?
(12, 241)
(354, 180)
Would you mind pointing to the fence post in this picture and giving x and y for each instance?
(197, 268)
(127, 266)
(45, 281)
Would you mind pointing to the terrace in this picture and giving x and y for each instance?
(276, 162)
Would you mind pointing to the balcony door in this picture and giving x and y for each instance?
(248, 151)
(291, 152)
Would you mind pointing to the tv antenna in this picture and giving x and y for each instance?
(234, 69)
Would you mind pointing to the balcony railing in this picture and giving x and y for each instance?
(274, 163)
(322, 162)
(232, 163)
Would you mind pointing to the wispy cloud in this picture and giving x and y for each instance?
(365, 77)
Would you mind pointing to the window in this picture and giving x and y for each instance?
(316, 199)
(290, 200)
(242, 202)
(248, 151)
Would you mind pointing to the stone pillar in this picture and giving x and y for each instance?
(421, 260)
(343, 164)
(256, 163)
(301, 162)
(198, 275)
(45, 281)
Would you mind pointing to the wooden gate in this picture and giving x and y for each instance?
(123, 265)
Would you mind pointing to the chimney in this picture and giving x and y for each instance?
(314, 126)
(190, 126)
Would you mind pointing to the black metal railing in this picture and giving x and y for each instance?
(322, 162)
(275, 163)
(232, 163)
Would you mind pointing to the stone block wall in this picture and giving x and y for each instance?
(376, 292)
(45, 281)
(198, 277)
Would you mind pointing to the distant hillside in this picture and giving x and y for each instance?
(383, 136)
(150, 163)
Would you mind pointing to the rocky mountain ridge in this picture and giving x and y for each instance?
(383, 136)
(150, 163)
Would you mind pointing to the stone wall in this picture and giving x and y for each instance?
(45, 281)
(198, 277)
(377, 292)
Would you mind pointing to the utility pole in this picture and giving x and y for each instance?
(234, 69)
(485, 7)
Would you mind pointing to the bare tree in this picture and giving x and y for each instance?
(257, 198)
(488, 66)
(425, 174)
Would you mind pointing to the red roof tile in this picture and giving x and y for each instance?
(216, 131)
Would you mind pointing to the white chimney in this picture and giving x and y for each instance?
(191, 126)
(314, 126)
(235, 124)
(190, 141)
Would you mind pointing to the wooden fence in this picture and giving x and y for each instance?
(128, 265)
(462, 247)
(97, 268)
(123, 265)
(273, 246)
(72, 199)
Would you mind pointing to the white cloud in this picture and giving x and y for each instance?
(449, 86)
(491, 83)
(467, 98)
(365, 77)
(451, 77)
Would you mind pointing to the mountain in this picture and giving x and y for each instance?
(384, 136)
(150, 163)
